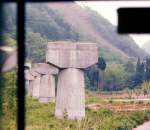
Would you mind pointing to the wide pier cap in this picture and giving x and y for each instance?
(43, 68)
(65, 54)
(33, 72)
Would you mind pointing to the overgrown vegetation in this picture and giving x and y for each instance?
(41, 116)
(8, 112)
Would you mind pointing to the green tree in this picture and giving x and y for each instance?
(92, 77)
(129, 67)
(8, 40)
(139, 66)
(115, 77)
(8, 98)
(139, 74)
(101, 68)
(36, 46)
(147, 69)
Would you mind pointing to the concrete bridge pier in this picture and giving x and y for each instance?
(71, 58)
(47, 89)
(36, 87)
(41, 82)
(30, 89)
(29, 82)
(70, 97)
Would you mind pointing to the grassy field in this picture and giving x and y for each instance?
(99, 116)
(94, 100)
(41, 117)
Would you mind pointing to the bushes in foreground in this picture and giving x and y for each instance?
(41, 116)
(8, 103)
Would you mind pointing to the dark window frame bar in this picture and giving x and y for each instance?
(20, 31)
(21, 61)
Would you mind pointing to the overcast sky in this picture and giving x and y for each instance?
(108, 9)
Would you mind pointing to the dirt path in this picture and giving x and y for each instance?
(128, 100)
(145, 126)
(121, 105)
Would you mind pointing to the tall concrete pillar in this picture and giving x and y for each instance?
(29, 82)
(70, 94)
(30, 88)
(71, 58)
(36, 87)
(47, 89)
(44, 83)
(34, 84)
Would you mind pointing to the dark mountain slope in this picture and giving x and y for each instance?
(94, 25)
(68, 21)
(52, 25)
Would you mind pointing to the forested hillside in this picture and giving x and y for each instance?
(95, 26)
(49, 22)
(71, 22)
(55, 21)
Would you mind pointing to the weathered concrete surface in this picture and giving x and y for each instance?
(70, 94)
(41, 81)
(28, 83)
(70, 90)
(33, 72)
(30, 88)
(28, 75)
(43, 68)
(47, 89)
(71, 55)
(36, 87)
(27, 87)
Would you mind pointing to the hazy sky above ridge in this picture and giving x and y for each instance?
(108, 9)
